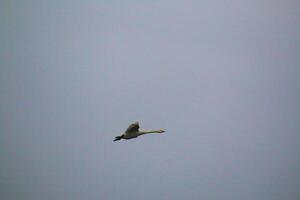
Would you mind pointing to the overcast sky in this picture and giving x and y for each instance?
(221, 77)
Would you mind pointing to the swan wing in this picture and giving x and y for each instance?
(134, 127)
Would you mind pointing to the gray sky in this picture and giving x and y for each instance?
(222, 77)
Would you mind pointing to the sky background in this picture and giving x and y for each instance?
(221, 77)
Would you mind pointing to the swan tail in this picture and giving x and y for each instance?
(118, 138)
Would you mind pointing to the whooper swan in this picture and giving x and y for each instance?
(133, 132)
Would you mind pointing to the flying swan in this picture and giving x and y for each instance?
(133, 132)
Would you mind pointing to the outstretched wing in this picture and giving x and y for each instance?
(133, 127)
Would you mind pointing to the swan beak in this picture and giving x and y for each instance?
(161, 131)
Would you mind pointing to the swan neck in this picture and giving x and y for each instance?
(148, 131)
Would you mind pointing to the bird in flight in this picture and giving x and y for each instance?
(133, 131)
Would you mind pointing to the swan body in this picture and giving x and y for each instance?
(133, 132)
